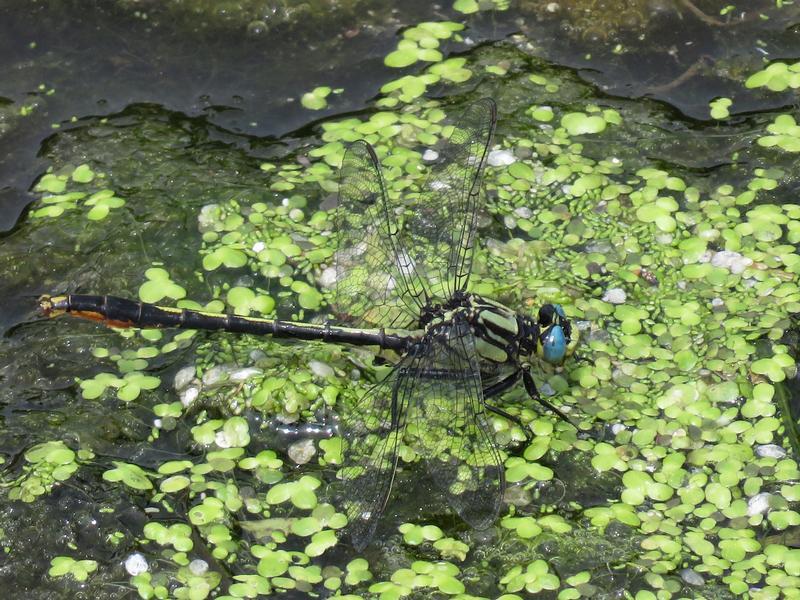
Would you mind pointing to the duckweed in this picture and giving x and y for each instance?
(676, 383)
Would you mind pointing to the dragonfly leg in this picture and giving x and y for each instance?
(497, 389)
(395, 408)
(530, 387)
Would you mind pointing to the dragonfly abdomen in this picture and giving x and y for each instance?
(122, 312)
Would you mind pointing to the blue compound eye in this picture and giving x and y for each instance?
(554, 345)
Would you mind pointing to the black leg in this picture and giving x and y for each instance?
(497, 389)
(530, 386)
(501, 386)
(395, 408)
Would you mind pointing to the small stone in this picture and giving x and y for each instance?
(501, 158)
(547, 390)
(523, 212)
(758, 504)
(215, 376)
(245, 374)
(615, 296)
(257, 354)
(430, 155)
(301, 452)
(189, 395)
(221, 440)
(136, 564)
(207, 218)
(320, 369)
(259, 246)
(328, 278)
(198, 566)
(183, 378)
(517, 495)
(552, 7)
(692, 577)
(770, 451)
(733, 261)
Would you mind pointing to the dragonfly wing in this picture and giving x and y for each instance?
(372, 431)
(374, 279)
(449, 428)
(440, 234)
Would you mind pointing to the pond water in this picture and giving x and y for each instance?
(643, 175)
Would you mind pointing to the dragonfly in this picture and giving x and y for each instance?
(400, 275)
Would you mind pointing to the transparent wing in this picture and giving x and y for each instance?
(386, 270)
(432, 401)
(439, 236)
(449, 428)
(372, 431)
(372, 273)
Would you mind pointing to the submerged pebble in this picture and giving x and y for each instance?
(758, 504)
(198, 566)
(320, 369)
(733, 261)
(136, 564)
(328, 277)
(189, 395)
(183, 378)
(245, 374)
(615, 296)
(301, 452)
(770, 451)
(501, 158)
(430, 155)
(215, 376)
(692, 577)
(523, 212)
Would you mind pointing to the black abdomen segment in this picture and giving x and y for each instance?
(122, 312)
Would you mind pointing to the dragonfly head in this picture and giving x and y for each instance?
(549, 336)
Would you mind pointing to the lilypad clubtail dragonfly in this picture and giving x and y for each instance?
(401, 272)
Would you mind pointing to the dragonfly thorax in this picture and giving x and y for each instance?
(501, 334)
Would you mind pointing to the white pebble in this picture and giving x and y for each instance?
(758, 504)
(259, 246)
(692, 577)
(221, 440)
(615, 296)
(215, 376)
(733, 261)
(183, 378)
(189, 395)
(198, 566)
(770, 451)
(617, 427)
(320, 369)
(501, 158)
(547, 390)
(158, 423)
(328, 277)
(523, 212)
(430, 155)
(207, 218)
(136, 564)
(245, 374)
(301, 452)
(552, 7)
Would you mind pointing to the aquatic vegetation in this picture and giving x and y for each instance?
(683, 282)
